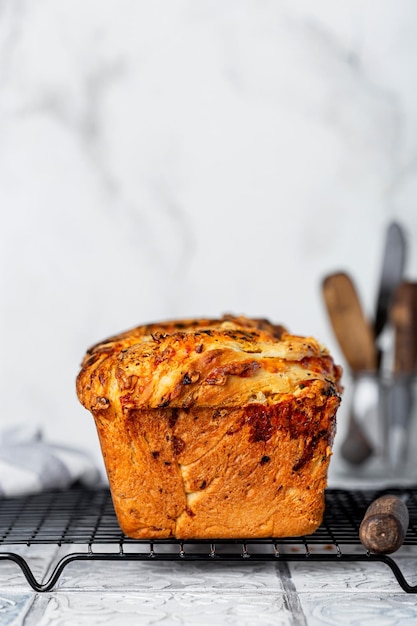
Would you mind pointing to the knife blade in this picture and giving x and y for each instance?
(392, 271)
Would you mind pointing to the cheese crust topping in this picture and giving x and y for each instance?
(230, 362)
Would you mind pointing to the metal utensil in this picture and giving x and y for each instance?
(356, 340)
(392, 271)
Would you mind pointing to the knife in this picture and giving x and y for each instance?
(392, 271)
(356, 340)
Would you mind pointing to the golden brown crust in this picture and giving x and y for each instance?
(227, 362)
(213, 428)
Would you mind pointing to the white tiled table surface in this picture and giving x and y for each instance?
(188, 593)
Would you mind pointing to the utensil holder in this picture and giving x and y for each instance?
(381, 416)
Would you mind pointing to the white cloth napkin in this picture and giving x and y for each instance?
(30, 465)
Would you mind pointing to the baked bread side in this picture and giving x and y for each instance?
(213, 428)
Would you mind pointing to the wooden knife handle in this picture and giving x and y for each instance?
(384, 525)
(350, 326)
(403, 316)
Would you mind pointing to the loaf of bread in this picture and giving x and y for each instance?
(213, 428)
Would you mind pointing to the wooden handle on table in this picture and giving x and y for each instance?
(384, 525)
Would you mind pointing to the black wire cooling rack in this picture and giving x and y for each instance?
(85, 518)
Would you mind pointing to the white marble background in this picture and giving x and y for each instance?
(178, 158)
